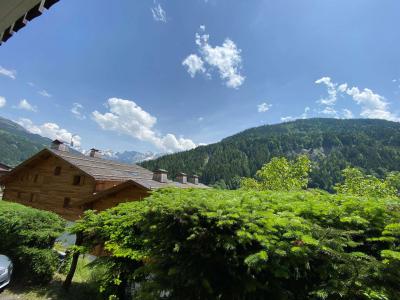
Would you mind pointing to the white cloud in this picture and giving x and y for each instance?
(373, 105)
(159, 14)
(330, 111)
(226, 59)
(126, 117)
(263, 107)
(24, 104)
(31, 84)
(342, 88)
(194, 64)
(304, 115)
(200, 119)
(3, 101)
(347, 114)
(44, 93)
(332, 93)
(51, 131)
(287, 119)
(76, 110)
(9, 73)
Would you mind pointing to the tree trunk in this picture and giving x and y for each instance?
(74, 262)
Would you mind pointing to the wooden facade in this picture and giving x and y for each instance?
(125, 192)
(68, 183)
(50, 184)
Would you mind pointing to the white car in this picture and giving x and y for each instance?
(6, 269)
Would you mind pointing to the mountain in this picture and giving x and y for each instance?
(17, 144)
(332, 144)
(129, 157)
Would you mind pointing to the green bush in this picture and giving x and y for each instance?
(211, 244)
(27, 237)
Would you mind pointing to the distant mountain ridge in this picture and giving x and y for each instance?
(130, 157)
(333, 144)
(18, 144)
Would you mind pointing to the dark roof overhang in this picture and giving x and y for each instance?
(15, 14)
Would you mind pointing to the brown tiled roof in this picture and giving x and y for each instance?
(104, 170)
(107, 170)
(4, 168)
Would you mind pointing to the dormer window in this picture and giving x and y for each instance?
(57, 171)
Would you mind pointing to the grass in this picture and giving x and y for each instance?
(84, 287)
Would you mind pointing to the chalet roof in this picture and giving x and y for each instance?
(4, 168)
(15, 14)
(104, 170)
(122, 186)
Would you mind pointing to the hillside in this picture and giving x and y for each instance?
(373, 145)
(17, 144)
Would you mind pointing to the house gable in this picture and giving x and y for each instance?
(124, 192)
(48, 182)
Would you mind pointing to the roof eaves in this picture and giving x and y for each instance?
(98, 196)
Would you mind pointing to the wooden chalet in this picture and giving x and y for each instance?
(4, 169)
(68, 183)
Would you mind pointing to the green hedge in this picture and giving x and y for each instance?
(211, 244)
(27, 237)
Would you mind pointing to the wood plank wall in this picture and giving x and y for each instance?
(131, 193)
(39, 187)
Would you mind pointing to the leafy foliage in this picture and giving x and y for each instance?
(332, 145)
(27, 237)
(281, 175)
(357, 183)
(219, 244)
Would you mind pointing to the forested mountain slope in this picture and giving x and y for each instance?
(17, 144)
(332, 144)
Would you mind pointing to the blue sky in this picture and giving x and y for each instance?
(168, 75)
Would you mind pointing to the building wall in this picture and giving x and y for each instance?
(127, 195)
(104, 185)
(39, 187)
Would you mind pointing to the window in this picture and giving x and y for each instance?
(57, 171)
(77, 180)
(35, 179)
(67, 202)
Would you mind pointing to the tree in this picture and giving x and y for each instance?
(357, 183)
(373, 145)
(27, 236)
(177, 244)
(281, 174)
